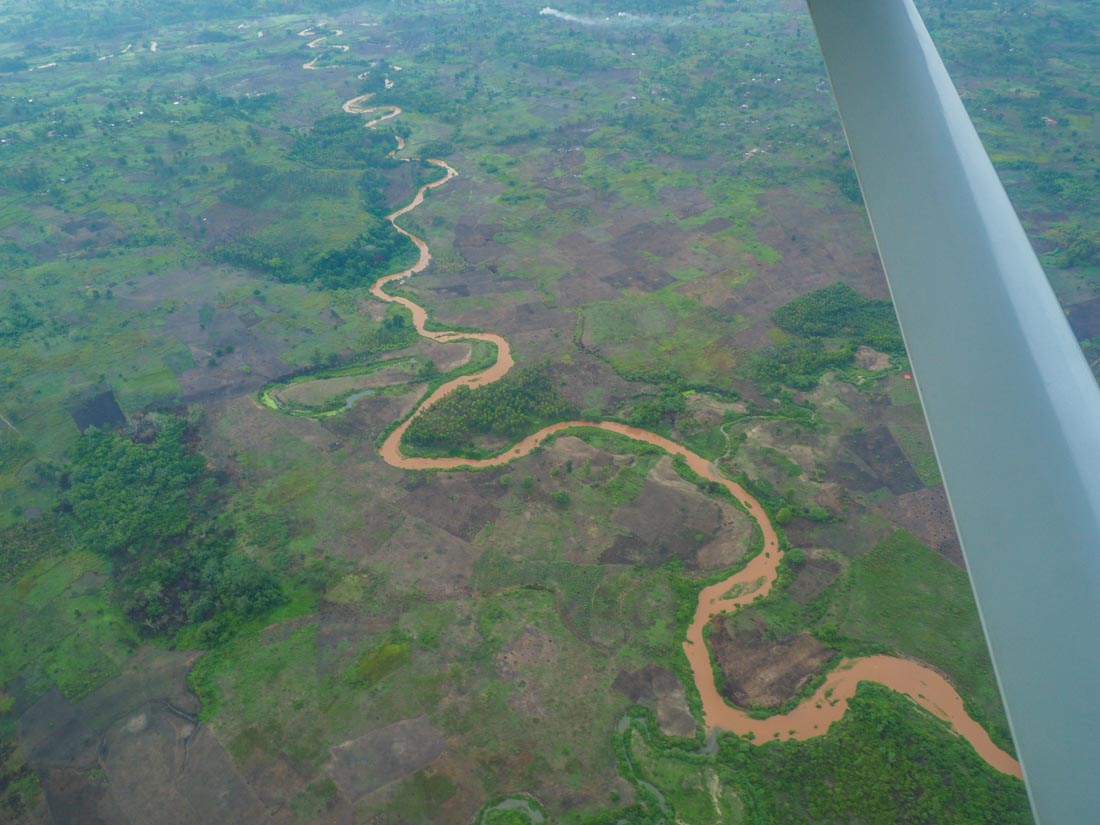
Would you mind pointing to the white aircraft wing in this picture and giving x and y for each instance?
(1012, 406)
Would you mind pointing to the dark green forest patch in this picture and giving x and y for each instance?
(339, 141)
(516, 405)
(887, 759)
(151, 510)
(826, 326)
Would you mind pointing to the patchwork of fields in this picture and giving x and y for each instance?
(654, 210)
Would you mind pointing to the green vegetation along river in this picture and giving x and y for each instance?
(814, 715)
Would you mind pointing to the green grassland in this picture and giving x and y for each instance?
(195, 227)
(60, 627)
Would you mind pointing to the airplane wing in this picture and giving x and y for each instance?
(1012, 406)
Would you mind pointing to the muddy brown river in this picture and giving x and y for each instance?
(813, 716)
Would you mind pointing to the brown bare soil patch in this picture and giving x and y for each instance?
(362, 766)
(853, 474)
(76, 236)
(880, 453)
(671, 518)
(926, 515)
(730, 543)
(536, 331)
(1084, 319)
(240, 346)
(474, 241)
(446, 356)
(814, 575)
(685, 201)
(595, 260)
(152, 674)
(590, 382)
(535, 316)
(468, 283)
(424, 558)
(52, 733)
(56, 731)
(457, 504)
(76, 796)
(861, 529)
(649, 237)
(660, 690)
(226, 222)
(83, 234)
(371, 415)
(133, 751)
(274, 780)
(642, 277)
(250, 318)
(871, 359)
(815, 244)
(519, 662)
(162, 769)
(570, 448)
(756, 671)
(240, 430)
(531, 647)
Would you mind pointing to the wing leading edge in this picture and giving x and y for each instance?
(1012, 406)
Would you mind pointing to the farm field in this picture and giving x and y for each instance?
(218, 586)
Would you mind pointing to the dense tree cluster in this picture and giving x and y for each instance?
(372, 188)
(254, 183)
(886, 759)
(27, 178)
(341, 142)
(838, 311)
(844, 176)
(396, 332)
(799, 363)
(199, 580)
(516, 405)
(827, 326)
(151, 509)
(126, 495)
(1079, 247)
(16, 319)
(376, 252)
(251, 253)
(652, 412)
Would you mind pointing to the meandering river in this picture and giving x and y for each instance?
(810, 718)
